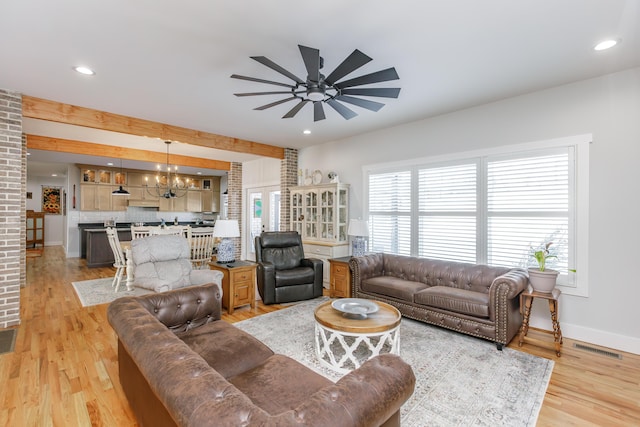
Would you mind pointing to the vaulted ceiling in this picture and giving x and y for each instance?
(170, 62)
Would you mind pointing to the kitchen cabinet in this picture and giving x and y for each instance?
(194, 201)
(95, 197)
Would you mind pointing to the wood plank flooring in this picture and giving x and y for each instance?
(64, 371)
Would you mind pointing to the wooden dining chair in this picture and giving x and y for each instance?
(201, 243)
(118, 255)
(138, 232)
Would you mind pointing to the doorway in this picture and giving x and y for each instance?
(263, 213)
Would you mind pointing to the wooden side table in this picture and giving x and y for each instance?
(526, 300)
(238, 284)
(340, 278)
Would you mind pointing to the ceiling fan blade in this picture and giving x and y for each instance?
(295, 109)
(364, 103)
(318, 111)
(269, 63)
(311, 58)
(268, 93)
(345, 112)
(383, 92)
(354, 61)
(273, 104)
(253, 79)
(378, 76)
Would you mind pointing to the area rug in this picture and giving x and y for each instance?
(460, 380)
(99, 291)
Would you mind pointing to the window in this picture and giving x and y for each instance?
(487, 208)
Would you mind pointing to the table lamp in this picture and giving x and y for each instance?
(358, 229)
(226, 229)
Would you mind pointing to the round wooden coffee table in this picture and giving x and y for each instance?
(344, 343)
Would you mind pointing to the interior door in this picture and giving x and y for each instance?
(263, 215)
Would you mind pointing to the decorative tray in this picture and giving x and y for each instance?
(355, 307)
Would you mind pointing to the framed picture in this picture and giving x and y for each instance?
(29, 195)
(206, 184)
(52, 200)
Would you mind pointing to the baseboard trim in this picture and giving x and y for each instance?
(594, 336)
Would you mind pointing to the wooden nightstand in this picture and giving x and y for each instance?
(526, 300)
(340, 278)
(238, 284)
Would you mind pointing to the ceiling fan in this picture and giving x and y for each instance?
(318, 89)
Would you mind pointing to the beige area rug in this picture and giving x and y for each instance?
(99, 291)
(460, 380)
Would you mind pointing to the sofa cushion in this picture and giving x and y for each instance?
(454, 299)
(393, 287)
(280, 384)
(220, 343)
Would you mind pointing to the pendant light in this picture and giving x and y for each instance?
(120, 191)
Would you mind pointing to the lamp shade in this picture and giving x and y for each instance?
(358, 227)
(226, 228)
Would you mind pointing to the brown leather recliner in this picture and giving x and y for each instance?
(284, 274)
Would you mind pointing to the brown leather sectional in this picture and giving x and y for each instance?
(181, 365)
(477, 300)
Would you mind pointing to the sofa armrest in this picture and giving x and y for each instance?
(367, 396)
(515, 281)
(184, 309)
(365, 267)
(202, 277)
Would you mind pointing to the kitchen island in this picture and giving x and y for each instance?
(95, 245)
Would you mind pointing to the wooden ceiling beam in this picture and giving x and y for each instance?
(43, 109)
(36, 142)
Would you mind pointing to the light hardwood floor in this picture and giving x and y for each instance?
(64, 371)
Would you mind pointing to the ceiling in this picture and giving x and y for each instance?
(171, 62)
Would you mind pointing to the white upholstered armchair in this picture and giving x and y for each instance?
(163, 262)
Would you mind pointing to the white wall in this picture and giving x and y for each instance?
(54, 225)
(608, 108)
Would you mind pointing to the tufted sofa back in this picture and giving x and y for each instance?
(185, 310)
(434, 272)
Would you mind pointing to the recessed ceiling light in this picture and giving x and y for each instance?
(606, 44)
(110, 164)
(28, 153)
(84, 70)
(198, 173)
(54, 174)
(306, 132)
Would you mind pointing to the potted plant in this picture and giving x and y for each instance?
(543, 279)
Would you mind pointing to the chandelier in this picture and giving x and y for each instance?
(169, 185)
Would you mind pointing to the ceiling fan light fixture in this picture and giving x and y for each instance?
(315, 94)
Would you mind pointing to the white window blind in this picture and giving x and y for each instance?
(528, 205)
(389, 212)
(448, 212)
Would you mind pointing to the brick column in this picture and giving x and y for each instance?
(13, 207)
(288, 178)
(234, 211)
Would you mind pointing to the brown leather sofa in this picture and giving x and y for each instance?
(477, 300)
(180, 365)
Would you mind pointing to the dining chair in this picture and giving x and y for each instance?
(201, 243)
(138, 232)
(175, 230)
(118, 255)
